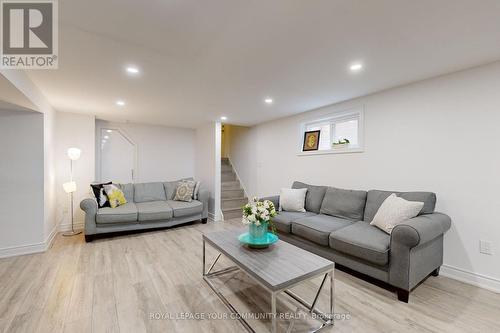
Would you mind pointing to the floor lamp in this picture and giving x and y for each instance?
(70, 187)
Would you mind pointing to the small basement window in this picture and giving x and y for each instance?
(339, 132)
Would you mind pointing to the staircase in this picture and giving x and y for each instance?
(232, 196)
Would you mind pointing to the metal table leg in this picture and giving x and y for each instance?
(203, 257)
(332, 298)
(273, 313)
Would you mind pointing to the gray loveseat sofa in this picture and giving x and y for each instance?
(149, 205)
(336, 225)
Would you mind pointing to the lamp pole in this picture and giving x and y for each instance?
(73, 154)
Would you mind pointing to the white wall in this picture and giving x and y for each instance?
(73, 130)
(21, 182)
(438, 135)
(163, 153)
(207, 164)
(22, 82)
(242, 152)
(225, 136)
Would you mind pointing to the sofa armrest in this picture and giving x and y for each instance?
(416, 249)
(89, 206)
(204, 196)
(421, 229)
(274, 199)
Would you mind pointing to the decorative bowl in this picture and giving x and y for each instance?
(258, 243)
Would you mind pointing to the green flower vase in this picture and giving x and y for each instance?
(258, 233)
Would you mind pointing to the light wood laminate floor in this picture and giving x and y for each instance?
(116, 285)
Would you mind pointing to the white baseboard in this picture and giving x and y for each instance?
(29, 248)
(50, 238)
(211, 217)
(78, 225)
(475, 279)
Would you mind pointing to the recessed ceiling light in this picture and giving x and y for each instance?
(223, 118)
(268, 100)
(132, 70)
(109, 131)
(120, 103)
(356, 67)
(106, 137)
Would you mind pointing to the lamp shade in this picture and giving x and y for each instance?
(69, 187)
(74, 153)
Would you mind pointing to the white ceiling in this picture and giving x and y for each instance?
(204, 59)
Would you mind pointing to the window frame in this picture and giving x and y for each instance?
(332, 117)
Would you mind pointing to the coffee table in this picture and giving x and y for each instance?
(277, 269)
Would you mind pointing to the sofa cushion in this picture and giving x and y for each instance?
(375, 198)
(144, 192)
(122, 214)
(317, 228)
(153, 210)
(128, 190)
(349, 204)
(183, 208)
(314, 196)
(283, 221)
(364, 241)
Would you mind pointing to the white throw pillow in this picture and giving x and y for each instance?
(395, 210)
(293, 200)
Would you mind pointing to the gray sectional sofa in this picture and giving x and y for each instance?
(149, 205)
(336, 225)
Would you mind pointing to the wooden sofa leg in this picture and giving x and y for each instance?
(89, 238)
(204, 221)
(403, 295)
(436, 272)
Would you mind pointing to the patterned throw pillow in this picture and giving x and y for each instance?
(185, 190)
(115, 195)
(100, 195)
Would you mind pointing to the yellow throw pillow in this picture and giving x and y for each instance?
(115, 196)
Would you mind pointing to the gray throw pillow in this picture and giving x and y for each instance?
(185, 191)
(196, 190)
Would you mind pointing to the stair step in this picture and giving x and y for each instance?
(225, 161)
(229, 194)
(232, 214)
(228, 176)
(233, 203)
(226, 168)
(231, 185)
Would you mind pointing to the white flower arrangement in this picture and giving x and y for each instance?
(258, 212)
